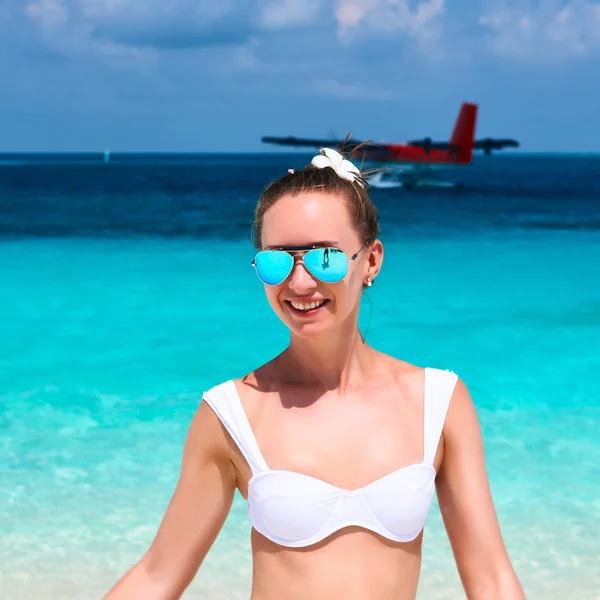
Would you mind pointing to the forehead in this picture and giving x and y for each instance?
(305, 218)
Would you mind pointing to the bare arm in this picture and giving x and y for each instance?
(194, 517)
(468, 509)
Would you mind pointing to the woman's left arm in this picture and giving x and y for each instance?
(468, 509)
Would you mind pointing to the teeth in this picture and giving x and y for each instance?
(307, 306)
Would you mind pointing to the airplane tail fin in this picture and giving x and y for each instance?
(463, 136)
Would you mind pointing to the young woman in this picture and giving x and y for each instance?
(338, 448)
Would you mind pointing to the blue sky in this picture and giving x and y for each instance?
(202, 75)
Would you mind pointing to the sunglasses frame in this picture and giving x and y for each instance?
(295, 249)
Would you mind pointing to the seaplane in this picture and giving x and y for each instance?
(408, 164)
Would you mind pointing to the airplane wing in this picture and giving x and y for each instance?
(489, 144)
(485, 144)
(313, 143)
(374, 152)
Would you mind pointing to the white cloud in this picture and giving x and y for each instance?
(350, 13)
(279, 14)
(47, 12)
(147, 23)
(176, 23)
(549, 32)
(388, 15)
(146, 27)
(126, 34)
(144, 9)
(527, 30)
(393, 18)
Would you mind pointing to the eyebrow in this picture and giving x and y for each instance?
(321, 244)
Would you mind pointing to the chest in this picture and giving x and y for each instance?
(348, 444)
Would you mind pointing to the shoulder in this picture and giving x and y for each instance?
(440, 380)
(231, 389)
(207, 437)
(216, 389)
(249, 390)
(447, 384)
(446, 380)
(413, 381)
(460, 395)
(223, 399)
(448, 411)
(461, 416)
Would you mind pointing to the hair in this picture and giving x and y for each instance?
(363, 213)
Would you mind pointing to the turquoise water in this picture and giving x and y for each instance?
(109, 345)
(108, 341)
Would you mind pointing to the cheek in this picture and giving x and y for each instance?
(272, 294)
(355, 281)
(345, 294)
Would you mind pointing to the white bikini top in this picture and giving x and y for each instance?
(296, 510)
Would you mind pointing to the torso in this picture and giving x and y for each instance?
(350, 441)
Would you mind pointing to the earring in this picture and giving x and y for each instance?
(369, 282)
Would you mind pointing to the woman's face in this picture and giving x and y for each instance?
(305, 304)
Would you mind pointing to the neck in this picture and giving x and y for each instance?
(337, 360)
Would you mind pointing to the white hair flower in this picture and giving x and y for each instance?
(342, 166)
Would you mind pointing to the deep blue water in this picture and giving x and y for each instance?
(124, 291)
(203, 196)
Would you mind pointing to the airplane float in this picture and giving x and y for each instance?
(404, 164)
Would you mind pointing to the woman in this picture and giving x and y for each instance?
(337, 447)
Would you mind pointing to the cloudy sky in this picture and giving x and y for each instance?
(202, 75)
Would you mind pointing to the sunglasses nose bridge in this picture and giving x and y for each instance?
(298, 258)
(300, 278)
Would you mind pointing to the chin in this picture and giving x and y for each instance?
(311, 329)
(308, 331)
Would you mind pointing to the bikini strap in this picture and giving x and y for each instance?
(439, 387)
(225, 402)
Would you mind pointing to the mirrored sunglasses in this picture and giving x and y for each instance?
(326, 264)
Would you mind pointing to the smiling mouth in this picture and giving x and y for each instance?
(306, 307)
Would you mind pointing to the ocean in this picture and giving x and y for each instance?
(126, 291)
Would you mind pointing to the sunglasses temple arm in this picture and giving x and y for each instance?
(353, 257)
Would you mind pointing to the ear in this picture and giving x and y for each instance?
(374, 260)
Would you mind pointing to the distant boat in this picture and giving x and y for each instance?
(107, 156)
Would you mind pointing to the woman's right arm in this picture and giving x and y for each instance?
(194, 517)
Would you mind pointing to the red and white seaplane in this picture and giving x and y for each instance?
(404, 164)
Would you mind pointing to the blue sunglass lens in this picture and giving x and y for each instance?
(273, 266)
(327, 264)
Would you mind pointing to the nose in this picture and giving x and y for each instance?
(301, 281)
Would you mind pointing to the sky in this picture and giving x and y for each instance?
(217, 75)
